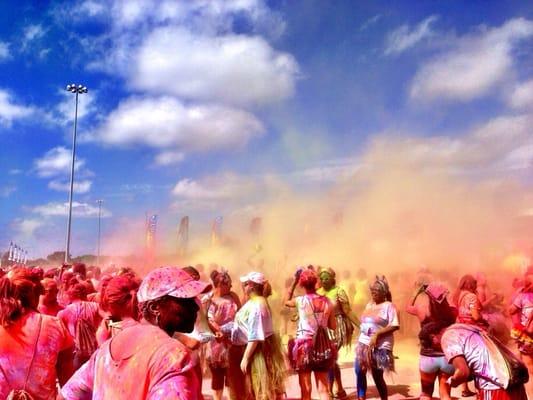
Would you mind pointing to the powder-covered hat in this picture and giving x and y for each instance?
(256, 277)
(170, 281)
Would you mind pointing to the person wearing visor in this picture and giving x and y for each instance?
(143, 361)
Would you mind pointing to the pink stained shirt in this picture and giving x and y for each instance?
(140, 362)
(16, 351)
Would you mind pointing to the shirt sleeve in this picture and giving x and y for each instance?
(80, 385)
(451, 345)
(392, 315)
(175, 387)
(257, 320)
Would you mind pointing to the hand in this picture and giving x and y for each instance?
(244, 365)
(373, 340)
(297, 274)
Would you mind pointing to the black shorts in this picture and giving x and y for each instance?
(218, 378)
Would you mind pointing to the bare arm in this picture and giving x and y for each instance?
(462, 372)
(250, 348)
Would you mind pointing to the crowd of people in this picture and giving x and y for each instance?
(77, 333)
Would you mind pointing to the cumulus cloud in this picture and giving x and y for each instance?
(31, 34)
(82, 210)
(476, 64)
(64, 112)
(169, 158)
(10, 111)
(4, 51)
(170, 125)
(491, 149)
(83, 186)
(27, 226)
(237, 69)
(404, 38)
(56, 161)
(521, 96)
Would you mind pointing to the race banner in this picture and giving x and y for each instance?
(216, 231)
(183, 236)
(10, 256)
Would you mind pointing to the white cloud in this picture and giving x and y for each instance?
(497, 147)
(369, 22)
(56, 161)
(4, 51)
(9, 111)
(190, 189)
(169, 158)
(65, 109)
(522, 95)
(170, 125)
(6, 191)
(476, 64)
(15, 171)
(32, 33)
(81, 187)
(83, 210)
(404, 38)
(237, 69)
(27, 227)
(330, 171)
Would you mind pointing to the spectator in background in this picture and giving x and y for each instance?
(48, 301)
(81, 317)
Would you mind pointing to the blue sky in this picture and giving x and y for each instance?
(195, 107)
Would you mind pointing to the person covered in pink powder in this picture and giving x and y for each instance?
(48, 302)
(35, 349)
(143, 361)
(81, 317)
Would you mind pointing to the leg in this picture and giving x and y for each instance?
(340, 393)
(377, 375)
(321, 378)
(428, 373)
(528, 361)
(360, 376)
(427, 384)
(236, 379)
(217, 382)
(444, 388)
(305, 384)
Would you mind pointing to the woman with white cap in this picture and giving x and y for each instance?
(263, 361)
(143, 361)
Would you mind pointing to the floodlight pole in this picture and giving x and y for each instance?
(76, 89)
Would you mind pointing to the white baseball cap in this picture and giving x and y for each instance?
(256, 277)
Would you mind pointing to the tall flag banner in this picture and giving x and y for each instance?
(16, 254)
(183, 236)
(25, 259)
(151, 228)
(216, 231)
(10, 256)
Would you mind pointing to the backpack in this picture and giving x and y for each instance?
(22, 394)
(324, 350)
(85, 343)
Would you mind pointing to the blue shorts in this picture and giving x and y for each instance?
(433, 365)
